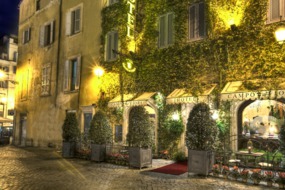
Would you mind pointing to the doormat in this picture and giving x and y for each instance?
(177, 168)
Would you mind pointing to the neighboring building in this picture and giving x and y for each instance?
(186, 51)
(55, 58)
(8, 65)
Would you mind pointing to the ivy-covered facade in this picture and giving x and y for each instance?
(193, 45)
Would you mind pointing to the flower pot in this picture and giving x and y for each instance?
(226, 176)
(256, 181)
(269, 183)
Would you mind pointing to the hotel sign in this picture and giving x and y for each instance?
(127, 104)
(254, 95)
(187, 100)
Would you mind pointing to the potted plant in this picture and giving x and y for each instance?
(225, 171)
(216, 170)
(140, 138)
(100, 134)
(244, 174)
(200, 139)
(269, 177)
(70, 134)
(256, 176)
(234, 173)
(281, 180)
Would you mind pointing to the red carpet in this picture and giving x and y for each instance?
(174, 169)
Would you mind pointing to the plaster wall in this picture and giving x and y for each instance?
(44, 117)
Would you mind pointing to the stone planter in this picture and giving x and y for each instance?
(98, 152)
(140, 157)
(68, 149)
(200, 162)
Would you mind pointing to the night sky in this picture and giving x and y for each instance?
(9, 14)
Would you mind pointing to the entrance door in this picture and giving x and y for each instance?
(23, 132)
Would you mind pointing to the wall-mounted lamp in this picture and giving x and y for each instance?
(99, 71)
(175, 116)
(280, 35)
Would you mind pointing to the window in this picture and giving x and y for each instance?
(47, 34)
(110, 45)
(15, 56)
(72, 74)
(166, 36)
(111, 2)
(73, 21)
(38, 5)
(276, 11)
(197, 26)
(26, 35)
(46, 74)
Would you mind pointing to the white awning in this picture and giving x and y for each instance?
(236, 91)
(5, 120)
(180, 96)
(132, 100)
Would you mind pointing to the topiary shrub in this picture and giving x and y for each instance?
(100, 131)
(201, 128)
(70, 130)
(140, 128)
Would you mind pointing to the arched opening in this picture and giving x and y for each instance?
(260, 121)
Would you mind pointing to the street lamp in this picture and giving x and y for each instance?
(99, 71)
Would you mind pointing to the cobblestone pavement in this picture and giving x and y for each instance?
(45, 169)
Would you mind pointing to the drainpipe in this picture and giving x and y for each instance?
(58, 52)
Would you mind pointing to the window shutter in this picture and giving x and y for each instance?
(29, 34)
(42, 36)
(78, 71)
(77, 20)
(161, 40)
(52, 26)
(275, 9)
(170, 32)
(192, 22)
(68, 24)
(23, 37)
(108, 47)
(66, 76)
(115, 44)
(201, 20)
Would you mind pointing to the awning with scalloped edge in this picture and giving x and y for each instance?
(180, 96)
(131, 100)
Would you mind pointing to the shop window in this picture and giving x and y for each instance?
(112, 41)
(73, 21)
(263, 119)
(72, 74)
(166, 30)
(87, 121)
(118, 133)
(197, 26)
(276, 11)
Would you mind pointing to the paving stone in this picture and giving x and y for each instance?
(45, 169)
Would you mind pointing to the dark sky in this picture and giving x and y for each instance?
(9, 14)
